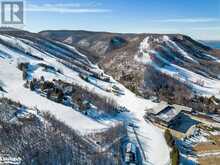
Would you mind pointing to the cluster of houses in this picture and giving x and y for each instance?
(175, 117)
(101, 76)
(195, 135)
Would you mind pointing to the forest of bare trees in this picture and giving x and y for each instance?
(174, 92)
(49, 141)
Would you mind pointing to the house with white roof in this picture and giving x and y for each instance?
(164, 113)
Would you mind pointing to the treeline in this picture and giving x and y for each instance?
(116, 132)
(46, 142)
(165, 87)
(174, 154)
(131, 81)
(111, 139)
(173, 91)
(105, 104)
(23, 66)
(72, 95)
(1, 89)
(7, 101)
(55, 90)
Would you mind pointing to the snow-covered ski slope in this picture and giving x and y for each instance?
(27, 47)
(183, 60)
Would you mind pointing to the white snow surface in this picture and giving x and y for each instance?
(175, 46)
(151, 138)
(202, 85)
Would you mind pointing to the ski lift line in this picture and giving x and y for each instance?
(139, 144)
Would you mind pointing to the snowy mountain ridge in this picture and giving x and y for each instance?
(178, 61)
(127, 56)
(67, 64)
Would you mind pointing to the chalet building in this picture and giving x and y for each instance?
(165, 114)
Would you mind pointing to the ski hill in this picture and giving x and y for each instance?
(183, 59)
(56, 61)
(127, 57)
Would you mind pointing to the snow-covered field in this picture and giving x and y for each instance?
(153, 144)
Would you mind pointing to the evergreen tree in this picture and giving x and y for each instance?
(24, 74)
(169, 138)
(32, 85)
(175, 156)
(60, 96)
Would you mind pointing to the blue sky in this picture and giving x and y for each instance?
(197, 18)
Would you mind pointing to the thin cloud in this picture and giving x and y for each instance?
(189, 20)
(65, 8)
(206, 28)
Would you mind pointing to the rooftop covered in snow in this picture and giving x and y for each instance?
(167, 112)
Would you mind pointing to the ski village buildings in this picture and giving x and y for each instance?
(165, 114)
